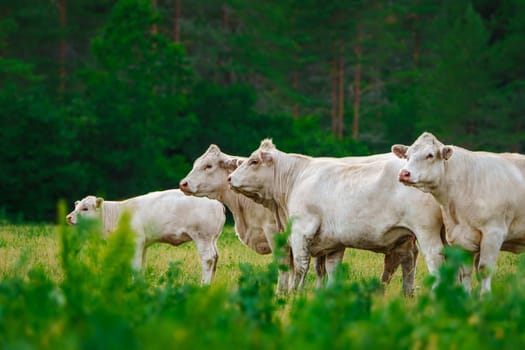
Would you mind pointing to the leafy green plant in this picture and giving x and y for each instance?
(97, 301)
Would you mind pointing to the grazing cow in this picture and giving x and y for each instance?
(333, 205)
(482, 196)
(163, 217)
(256, 226)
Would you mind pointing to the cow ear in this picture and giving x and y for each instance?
(99, 201)
(213, 149)
(400, 151)
(266, 157)
(231, 164)
(446, 152)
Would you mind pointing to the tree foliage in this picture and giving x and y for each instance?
(102, 100)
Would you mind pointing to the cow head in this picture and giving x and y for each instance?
(255, 176)
(208, 177)
(425, 164)
(88, 207)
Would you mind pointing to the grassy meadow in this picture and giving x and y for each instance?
(23, 247)
(62, 287)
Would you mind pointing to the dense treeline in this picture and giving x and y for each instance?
(117, 98)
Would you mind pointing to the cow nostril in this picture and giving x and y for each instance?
(404, 174)
(183, 184)
(229, 179)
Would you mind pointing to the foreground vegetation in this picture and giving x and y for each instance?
(64, 287)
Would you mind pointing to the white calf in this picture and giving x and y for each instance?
(163, 217)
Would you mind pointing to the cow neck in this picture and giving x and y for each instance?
(235, 202)
(281, 217)
(287, 168)
(110, 215)
(454, 181)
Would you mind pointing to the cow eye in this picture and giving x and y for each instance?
(253, 162)
(430, 156)
(208, 166)
(84, 209)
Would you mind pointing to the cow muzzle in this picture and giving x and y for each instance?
(404, 176)
(184, 186)
(70, 219)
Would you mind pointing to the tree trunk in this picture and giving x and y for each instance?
(229, 75)
(154, 30)
(225, 18)
(341, 99)
(154, 27)
(334, 98)
(517, 130)
(176, 22)
(62, 50)
(417, 39)
(295, 83)
(357, 83)
(3, 48)
(417, 44)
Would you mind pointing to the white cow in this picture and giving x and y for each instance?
(482, 196)
(163, 217)
(256, 226)
(333, 205)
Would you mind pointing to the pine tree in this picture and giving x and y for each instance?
(454, 80)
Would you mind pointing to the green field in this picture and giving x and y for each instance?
(62, 288)
(24, 246)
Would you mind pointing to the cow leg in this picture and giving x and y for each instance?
(332, 261)
(391, 262)
(406, 256)
(320, 270)
(209, 256)
(431, 247)
(216, 256)
(282, 281)
(291, 274)
(137, 263)
(301, 264)
(408, 265)
(303, 231)
(490, 247)
(465, 273)
(283, 278)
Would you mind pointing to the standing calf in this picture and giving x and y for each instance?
(163, 217)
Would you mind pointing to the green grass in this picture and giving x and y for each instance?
(23, 247)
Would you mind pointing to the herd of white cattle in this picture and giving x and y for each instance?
(427, 193)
